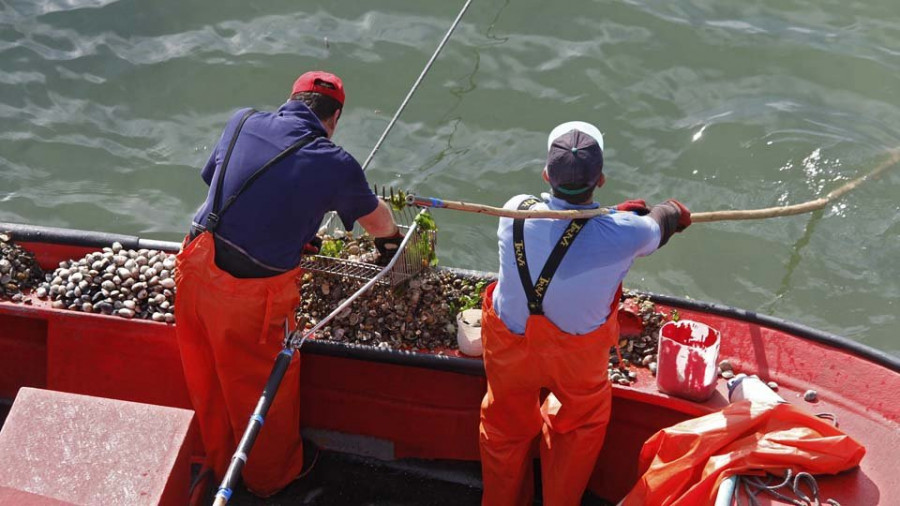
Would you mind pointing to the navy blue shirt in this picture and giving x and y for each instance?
(282, 210)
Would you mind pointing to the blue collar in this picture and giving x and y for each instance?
(297, 109)
(558, 203)
(295, 106)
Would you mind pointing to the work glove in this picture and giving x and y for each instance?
(387, 247)
(637, 206)
(313, 246)
(684, 215)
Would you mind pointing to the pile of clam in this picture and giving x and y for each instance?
(115, 281)
(422, 313)
(637, 350)
(418, 315)
(18, 269)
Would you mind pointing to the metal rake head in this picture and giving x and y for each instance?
(416, 253)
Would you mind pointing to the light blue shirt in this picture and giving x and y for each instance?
(581, 292)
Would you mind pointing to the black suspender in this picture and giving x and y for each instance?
(215, 216)
(535, 292)
(534, 305)
(212, 219)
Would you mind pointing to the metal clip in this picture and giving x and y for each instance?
(212, 222)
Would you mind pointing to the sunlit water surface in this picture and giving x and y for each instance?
(108, 109)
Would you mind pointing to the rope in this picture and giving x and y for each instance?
(829, 416)
(311, 466)
(202, 475)
(813, 488)
(754, 485)
(412, 91)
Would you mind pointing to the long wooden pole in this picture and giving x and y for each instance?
(457, 205)
(701, 217)
(805, 207)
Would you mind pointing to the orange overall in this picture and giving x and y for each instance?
(229, 332)
(574, 369)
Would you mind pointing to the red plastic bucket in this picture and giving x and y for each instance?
(688, 358)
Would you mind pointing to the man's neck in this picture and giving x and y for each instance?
(564, 203)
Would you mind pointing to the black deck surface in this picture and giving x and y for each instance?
(5, 406)
(344, 480)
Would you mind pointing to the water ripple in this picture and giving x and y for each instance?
(108, 108)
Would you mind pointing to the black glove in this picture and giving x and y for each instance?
(387, 247)
(313, 246)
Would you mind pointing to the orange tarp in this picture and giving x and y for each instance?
(684, 464)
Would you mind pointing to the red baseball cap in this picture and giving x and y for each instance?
(309, 82)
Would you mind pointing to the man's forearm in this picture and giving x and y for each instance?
(666, 216)
(380, 222)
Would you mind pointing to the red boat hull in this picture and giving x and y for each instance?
(421, 405)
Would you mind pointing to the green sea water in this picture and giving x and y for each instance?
(109, 107)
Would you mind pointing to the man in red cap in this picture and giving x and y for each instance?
(272, 177)
(550, 320)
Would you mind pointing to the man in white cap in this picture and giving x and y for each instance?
(550, 320)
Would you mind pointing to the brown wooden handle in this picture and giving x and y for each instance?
(805, 207)
(701, 217)
(504, 213)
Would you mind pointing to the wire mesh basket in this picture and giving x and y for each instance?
(416, 252)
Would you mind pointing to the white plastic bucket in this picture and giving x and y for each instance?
(468, 332)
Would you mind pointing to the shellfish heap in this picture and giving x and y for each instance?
(418, 315)
(422, 313)
(18, 269)
(638, 350)
(115, 281)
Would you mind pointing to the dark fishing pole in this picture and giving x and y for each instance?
(257, 419)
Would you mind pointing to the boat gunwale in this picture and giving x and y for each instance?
(22, 233)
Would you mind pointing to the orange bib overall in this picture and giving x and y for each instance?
(574, 369)
(229, 332)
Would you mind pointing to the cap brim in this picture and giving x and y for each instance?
(581, 126)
